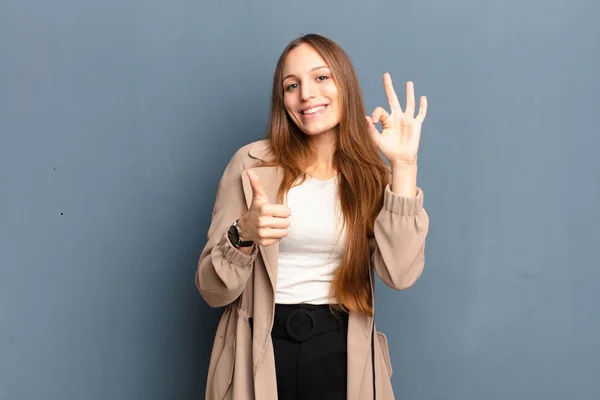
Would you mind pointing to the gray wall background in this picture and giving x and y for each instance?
(117, 118)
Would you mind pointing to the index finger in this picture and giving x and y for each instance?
(391, 93)
(276, 210)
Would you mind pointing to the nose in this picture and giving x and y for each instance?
(308, 90)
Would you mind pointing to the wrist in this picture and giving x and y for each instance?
(401, 165)
(241, 223)
(404, 179)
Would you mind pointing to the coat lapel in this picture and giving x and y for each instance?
(359, 352)
(270, 177)
(360, 329)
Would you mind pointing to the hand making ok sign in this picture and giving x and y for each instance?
(399, 139)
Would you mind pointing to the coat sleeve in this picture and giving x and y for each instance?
(223, 270)
(398, 246)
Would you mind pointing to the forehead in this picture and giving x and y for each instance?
(302, 59)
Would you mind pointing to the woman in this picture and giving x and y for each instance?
(301, 220)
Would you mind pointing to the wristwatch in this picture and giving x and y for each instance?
(235, 236)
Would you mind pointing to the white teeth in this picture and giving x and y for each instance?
(313, 110)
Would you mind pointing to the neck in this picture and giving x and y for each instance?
(324, 146)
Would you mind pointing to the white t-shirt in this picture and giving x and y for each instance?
(309, 255)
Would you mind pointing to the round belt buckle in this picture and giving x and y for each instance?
(288, 325)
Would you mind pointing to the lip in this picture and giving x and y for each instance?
(314, 114)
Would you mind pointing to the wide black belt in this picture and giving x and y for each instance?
(303, 322)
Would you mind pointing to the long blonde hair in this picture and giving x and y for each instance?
(362, 173)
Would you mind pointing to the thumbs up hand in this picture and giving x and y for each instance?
(264, 223)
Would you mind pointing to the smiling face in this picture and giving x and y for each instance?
(310, 95)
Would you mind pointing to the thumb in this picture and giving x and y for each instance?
(258, 192)
(373, 132)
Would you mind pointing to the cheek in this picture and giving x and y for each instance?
(332, 93)
(288, 103)
(338, 108)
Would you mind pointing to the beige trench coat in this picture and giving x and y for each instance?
(245, 285)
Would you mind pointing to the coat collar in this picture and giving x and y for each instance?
(261, 150)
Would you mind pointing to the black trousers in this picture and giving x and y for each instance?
(311, 356)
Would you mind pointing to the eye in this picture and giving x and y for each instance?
(322, 78)
(291, 86)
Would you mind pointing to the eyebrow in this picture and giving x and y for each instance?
(313, 69)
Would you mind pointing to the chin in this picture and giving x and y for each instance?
(314, 133)
(318, 130)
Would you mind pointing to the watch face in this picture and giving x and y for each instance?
(234, 236)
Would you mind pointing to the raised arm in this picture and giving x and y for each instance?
(223, 270)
